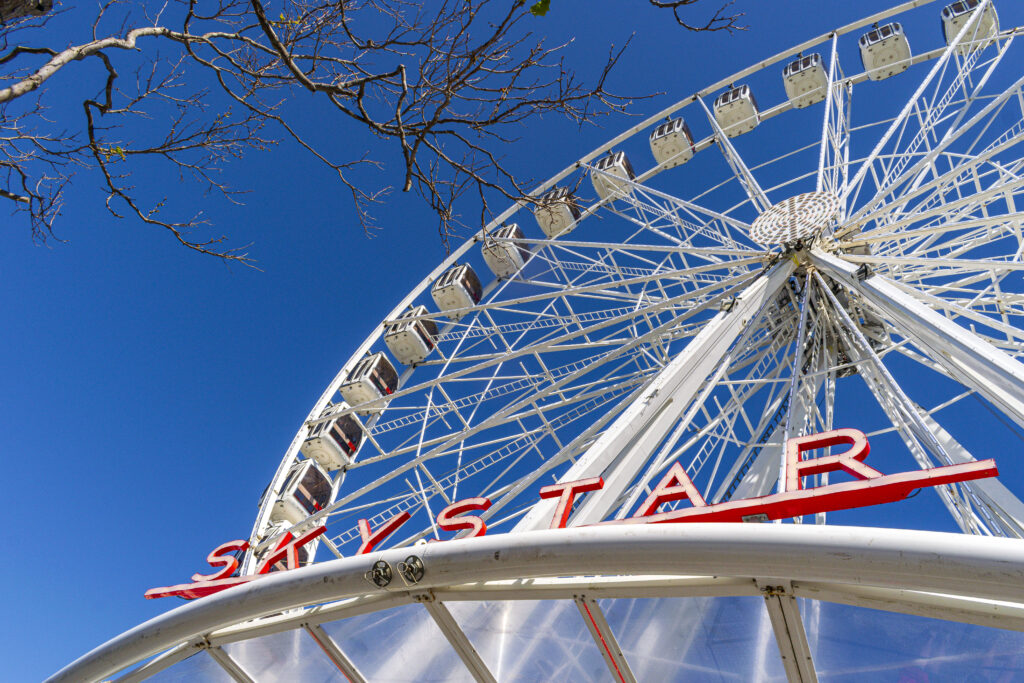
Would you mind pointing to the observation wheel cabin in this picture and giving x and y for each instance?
(805, 80)
(502, 254)
(557, 212)
(612, 175)
(307, 490)
(373, 378)
(335, 439)
(736, 111)
(885, 51)
(411, 338)
(456, 291)
(672, 143)
(956, 16)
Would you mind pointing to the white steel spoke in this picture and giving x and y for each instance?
(632, 436)
(754, 192)
(834, 154)
(900, 121)
(976, 363)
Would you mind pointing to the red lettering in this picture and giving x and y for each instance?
(447, 519)
(676, 485)
(565, 493)
(372, 538)
(848, 461)
(219, 557)
(288, 550)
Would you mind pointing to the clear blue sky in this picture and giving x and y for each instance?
(149, 392)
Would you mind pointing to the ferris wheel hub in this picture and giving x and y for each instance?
(797, 218)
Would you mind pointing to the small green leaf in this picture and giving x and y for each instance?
(540, 8)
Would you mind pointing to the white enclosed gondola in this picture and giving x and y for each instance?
(306, 491)
(456, 291)
(736, 111)
(558, 212)
(611, 175)
(885, 51)
(334, 443)
(503, 256)
(985, 29)
(411, 338)
(372, 378)
(805, 80)
(672, 143)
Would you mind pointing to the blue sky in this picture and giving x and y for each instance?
(148, 392)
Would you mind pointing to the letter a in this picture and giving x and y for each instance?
(676, 485)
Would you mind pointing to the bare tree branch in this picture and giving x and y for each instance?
(192, 86)
(721, 20)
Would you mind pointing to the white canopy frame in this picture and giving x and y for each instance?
(969, 579)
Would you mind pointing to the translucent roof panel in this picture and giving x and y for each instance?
(290, 655)
(696, 639)
(399, 644)
(198, 667)
(853, 644)
(532, 640)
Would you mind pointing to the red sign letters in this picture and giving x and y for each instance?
(870, 487)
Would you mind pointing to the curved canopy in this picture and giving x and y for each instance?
(621, 603)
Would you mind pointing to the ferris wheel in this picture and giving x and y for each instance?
(638, 315)
(828, 239)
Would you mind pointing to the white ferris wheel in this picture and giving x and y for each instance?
(764, 260)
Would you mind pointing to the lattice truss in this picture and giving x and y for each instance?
(656, 330)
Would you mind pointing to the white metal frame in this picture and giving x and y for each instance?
(949, 576)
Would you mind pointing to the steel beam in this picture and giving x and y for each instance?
(229, 665)
(629, 442)
(334, 653)
(987, 613)
(1000, 500)
(758, 199)
(954, 564)
(158, 664)
(458, 639)
(789, 630)
(968, 358)
(605, 640)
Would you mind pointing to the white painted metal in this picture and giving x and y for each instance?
(629, 442)
(458, 640)
(161, 662)
(789, 630)
(334, 653)
(976, 363)
(899, 560)
(262, 520)
(653, 212)
(229, 665)
(605, 640)
(757, 196)
(621, 351)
